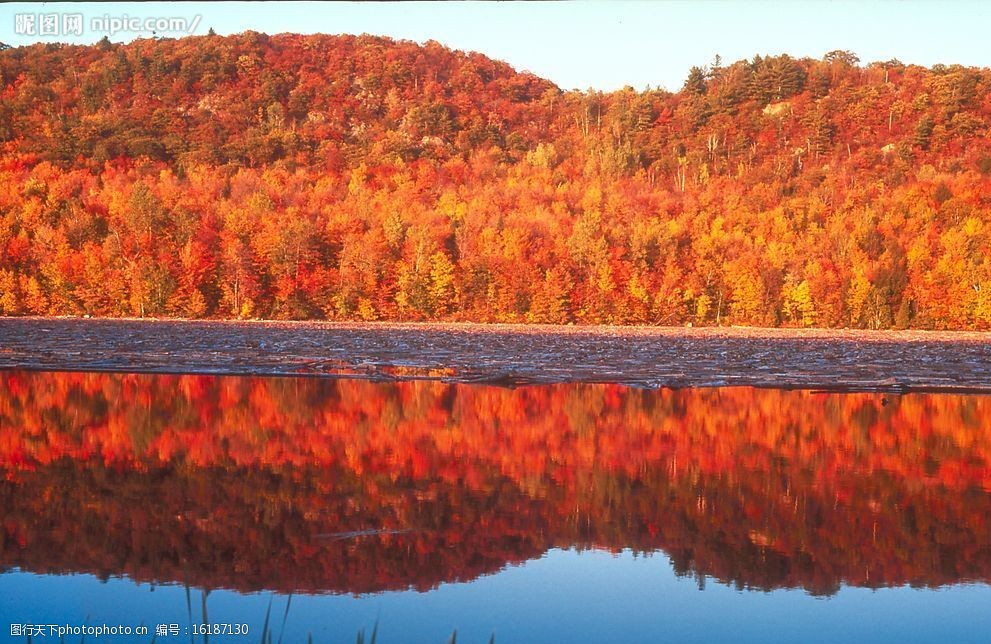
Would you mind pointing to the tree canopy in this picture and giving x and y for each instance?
(347, 177)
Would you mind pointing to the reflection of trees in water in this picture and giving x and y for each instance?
(249, 529)
(349, 486)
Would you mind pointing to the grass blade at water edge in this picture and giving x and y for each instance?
(267, 614)
(206, 618)
(189, 608)
(285, 616)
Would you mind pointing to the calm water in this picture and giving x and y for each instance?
(551, 513)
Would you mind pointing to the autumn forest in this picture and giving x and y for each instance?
(360, 178)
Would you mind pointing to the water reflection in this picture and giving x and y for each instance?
(312, 485)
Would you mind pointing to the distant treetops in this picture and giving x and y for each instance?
(351, 177)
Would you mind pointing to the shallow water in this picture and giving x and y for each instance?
(566, 512)
(510, 355)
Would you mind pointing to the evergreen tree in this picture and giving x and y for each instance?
(696, 82)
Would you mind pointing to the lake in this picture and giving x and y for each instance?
(553, 512)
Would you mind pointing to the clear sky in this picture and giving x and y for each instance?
(582, 44)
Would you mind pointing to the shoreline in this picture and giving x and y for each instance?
(736, 330)
(508, 354)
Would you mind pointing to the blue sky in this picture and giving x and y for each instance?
(604, 45)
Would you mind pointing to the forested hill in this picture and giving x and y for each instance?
(351, 177)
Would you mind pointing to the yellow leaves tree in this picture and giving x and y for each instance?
(637, 288)
(799, 307)
(747, 293)
(856, 301)
(8, 293)
(441, 288)
(551, 303)
(747, 299)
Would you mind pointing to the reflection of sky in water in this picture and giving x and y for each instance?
(563, 597)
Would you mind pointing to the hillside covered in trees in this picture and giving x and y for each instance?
(347, 177)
